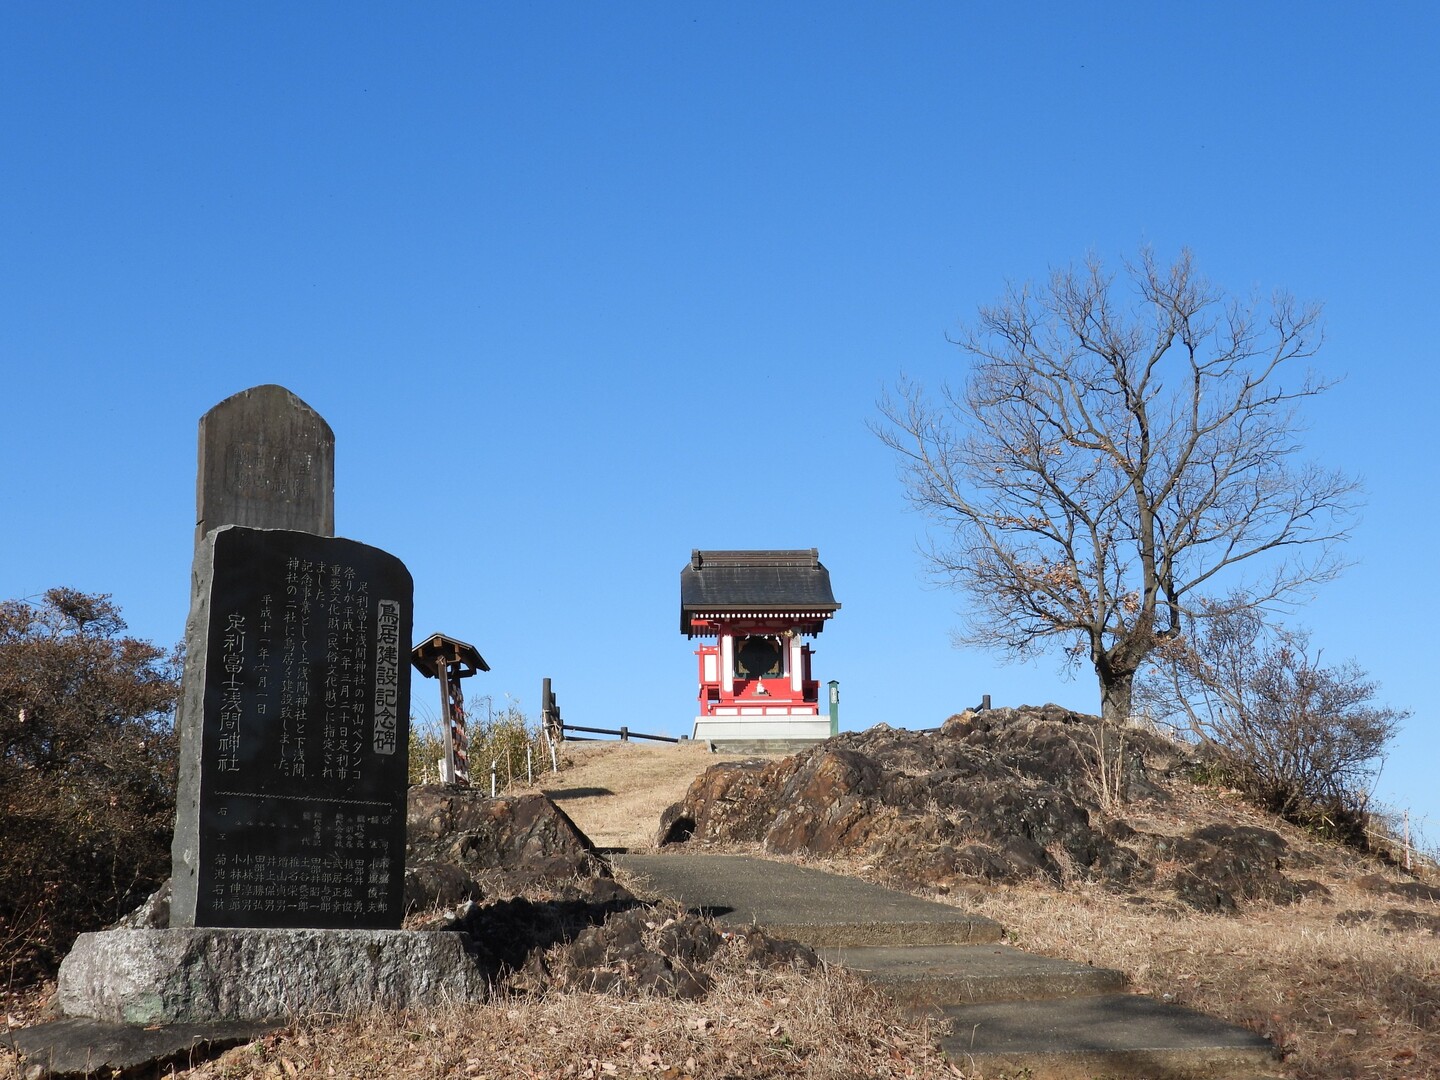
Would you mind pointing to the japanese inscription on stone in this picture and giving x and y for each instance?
(295, 734)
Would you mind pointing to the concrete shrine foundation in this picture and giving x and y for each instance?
(206, 974)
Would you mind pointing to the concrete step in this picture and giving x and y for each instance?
(1109, 1035)
(812, 906)
(1065, 1021)
(929, 976)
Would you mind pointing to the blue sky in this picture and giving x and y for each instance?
(580, 287)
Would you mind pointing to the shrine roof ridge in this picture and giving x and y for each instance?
(807, 557)
(756, 582)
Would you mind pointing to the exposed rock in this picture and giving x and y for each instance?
(1003, 795)
(675, 826)
(999, 795)
(1392, 919)
(511, 932)
(433, 884)
(462, 844)
(642, 951)
(152, 914)
(1224, 864)
(1406, 890)
(196, 976)
(632, 954)
(76, 1047)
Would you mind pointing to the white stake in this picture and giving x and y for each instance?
(554, 761)
(494, 768)
(529, 767)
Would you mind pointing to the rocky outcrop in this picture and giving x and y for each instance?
(645, 951)
(464, 845)
(1004, 795)
(204, 975)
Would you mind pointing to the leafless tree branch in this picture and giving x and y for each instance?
(1122, 449)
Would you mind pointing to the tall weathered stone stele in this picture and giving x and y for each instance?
(267, 461)
(295, 731)
(289, 853)
(294, 721)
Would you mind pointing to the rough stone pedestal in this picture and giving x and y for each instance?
(201, 975)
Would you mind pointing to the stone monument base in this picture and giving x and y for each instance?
(204, 974)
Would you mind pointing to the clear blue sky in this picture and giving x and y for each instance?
(582, 286)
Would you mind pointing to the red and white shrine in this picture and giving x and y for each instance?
(758, 606)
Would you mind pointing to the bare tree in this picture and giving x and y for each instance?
(1117, 451)
(1298, 736)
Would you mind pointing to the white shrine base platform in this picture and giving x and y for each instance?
(806, 727)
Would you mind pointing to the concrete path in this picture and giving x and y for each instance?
(1009, 1011)
(806, 905)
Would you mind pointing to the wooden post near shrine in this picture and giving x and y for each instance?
(449, 660)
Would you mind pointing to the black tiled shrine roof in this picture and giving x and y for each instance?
(756, 583)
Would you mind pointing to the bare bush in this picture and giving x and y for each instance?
(1304, 740)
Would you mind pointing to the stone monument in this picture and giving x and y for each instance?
(294, 737)
(266, 461)
(289, 851)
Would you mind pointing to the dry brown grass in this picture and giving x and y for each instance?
(1343, 1000)
(752, 1024)
(616, 791)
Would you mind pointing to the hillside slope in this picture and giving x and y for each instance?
(616, 791)
(1088, 845)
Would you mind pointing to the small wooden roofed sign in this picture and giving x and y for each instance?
(437, 651)
(450, 660)
(789, 587)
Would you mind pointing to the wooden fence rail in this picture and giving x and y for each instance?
(624, 733)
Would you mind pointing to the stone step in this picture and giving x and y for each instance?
(928, 976)
(1012, 1014)
(812, 906)
(79, 1047)
(1110, 1035)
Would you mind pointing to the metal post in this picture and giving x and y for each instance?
(494, 768)
(529, 766)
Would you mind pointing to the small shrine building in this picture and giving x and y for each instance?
(758, 606)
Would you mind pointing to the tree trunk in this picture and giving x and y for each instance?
(1116, 690)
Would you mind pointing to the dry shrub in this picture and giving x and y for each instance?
(501, 737)
(72, 861)
(87, 774)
